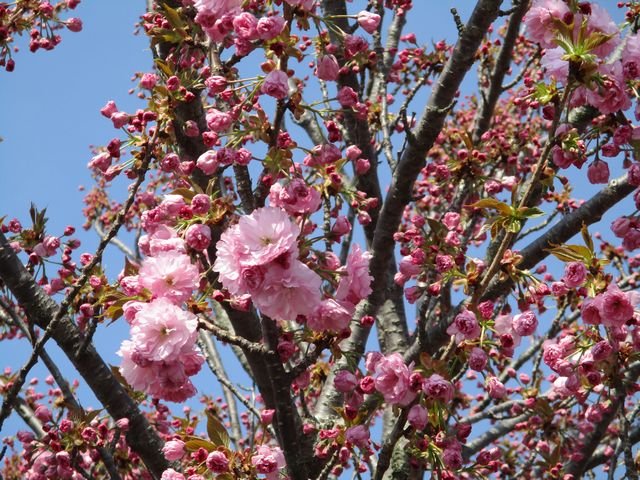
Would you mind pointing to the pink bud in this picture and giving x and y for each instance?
(368, 21)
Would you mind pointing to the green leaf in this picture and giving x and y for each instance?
(163, 67)
(216, 431)
(572, 253)
(513, 225)
(530, 212)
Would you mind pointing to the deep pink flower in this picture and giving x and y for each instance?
(169, 274)
(276, 84)
(327, 68)
(465, 326)
(452, 458)
(345, 381)
(611, 96)
(478, 359)
(245, 25)
(598, 172)
(437, 388)
(218, 121)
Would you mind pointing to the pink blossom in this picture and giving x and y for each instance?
(495, 388)
(200, 204)
(451, 220)
(598, 172)
(591, 309)
(611, 95)
(163, 239)
(217, 462)
(198, 236)
(218, 121)
(208, 162)
(465, 326)
(162, 330)
(631, 57)
(296, 197)
(600, 21)
(575, 274)
(148, 81)
(616, 307)
(345, 381)
(342, 226)
(109, 109)
(418, 417)
(173, 450)
(354, 44)
(327, 68)
(368, 21)
(391, 376)
(347, 97)
(554, 65)
(324, 154)
(171, 474)
(437, 388)
(245, 25)
(452, 458)
(276, 84)
(504, 326)
(331, 315)
(270, 27)
(478, 359)
(170, 274)
(620, 226)
(268, 460)
(356, 284)
(358, 436)
(539, 20)
(287, 293)
(525, 323)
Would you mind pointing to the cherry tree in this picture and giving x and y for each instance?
(403, 272)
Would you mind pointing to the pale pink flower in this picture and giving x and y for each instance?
(288, 292)
(465, 326)
(276, 84)
(368, 21)
(331, 315)
(170, 274)
(173, 450)
(162, 330)
(611, 96)
(163, 239)
(539, 20)
(208, 162)
(600, 21)
(631, 57)
(327, 68)
(591, 309)
(356, 284)
(554, 66)
(504, 326)
(268, 461)
(296, 197)
(324, 154)
(391, 377)
(139, 377)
